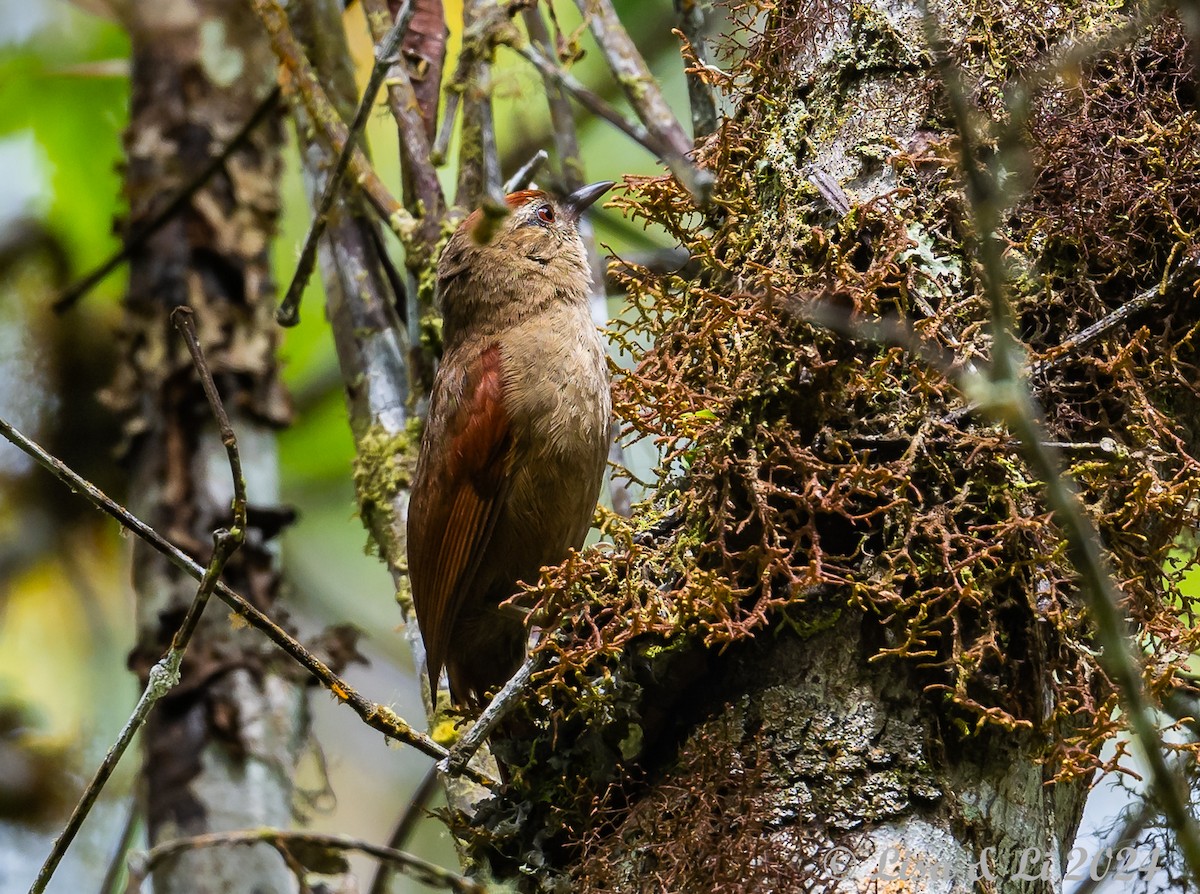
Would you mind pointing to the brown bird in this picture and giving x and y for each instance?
(517, 434)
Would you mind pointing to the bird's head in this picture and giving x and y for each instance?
(532, 254)
(542, 229)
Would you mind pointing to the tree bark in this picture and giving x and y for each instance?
(220, 750)
(836, 731)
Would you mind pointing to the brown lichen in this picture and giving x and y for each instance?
(801, 463)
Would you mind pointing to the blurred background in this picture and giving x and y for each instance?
(66, 603)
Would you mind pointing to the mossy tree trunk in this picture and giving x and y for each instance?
(844, 643)
(221, 748)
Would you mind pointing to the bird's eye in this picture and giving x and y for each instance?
(546, 214)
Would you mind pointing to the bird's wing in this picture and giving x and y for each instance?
(462, 482)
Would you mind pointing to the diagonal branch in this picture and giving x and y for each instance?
(644, 95)
(323, 114)
(697, 181)
(1183, 278)
(422, 870)
(423, 191)
(524, 175)
(164, 675)
(385, 55)
(376, 716)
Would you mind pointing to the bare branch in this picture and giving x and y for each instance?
(1181, 279)
(288, 313)
(696, 181)
(503, 702)
(483, 22)
(164, 675)
(422, 870)
(644, 95)
(423, 191)
(376, 716)
(441, 145)
(525, 174)
(322, 112)
(562, 118)
(1184, 277)
(184, 320)
(68, 298)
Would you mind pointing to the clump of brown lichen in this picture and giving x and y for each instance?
(810, 473)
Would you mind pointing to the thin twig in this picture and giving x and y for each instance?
(831, 191)
(422, 870)
(325, 117)
(505, 700)
(374, 715)
(482, 24)
(164, 675)
(480, 109)
(68, 298)
(405, 826)
(591, 101)
(129, 830)
(184, 320)
(1006, 398)
(562, 119)
(441, 143)
(288, 313)
(525, 174)
(696, 181)
(644, 95)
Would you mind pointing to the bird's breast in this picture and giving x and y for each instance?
(557, 388)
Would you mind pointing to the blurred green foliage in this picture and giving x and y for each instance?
(66, 606)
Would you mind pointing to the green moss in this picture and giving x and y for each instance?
(811, 474)
(383, 469)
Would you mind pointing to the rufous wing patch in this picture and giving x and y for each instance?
(448, 539)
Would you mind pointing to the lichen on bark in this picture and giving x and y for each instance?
(822, 492)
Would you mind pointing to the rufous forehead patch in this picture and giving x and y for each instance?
(523, 197)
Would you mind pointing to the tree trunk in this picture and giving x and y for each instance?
(220, 750)
(844, 649)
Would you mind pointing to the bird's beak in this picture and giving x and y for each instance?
(580, 200)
